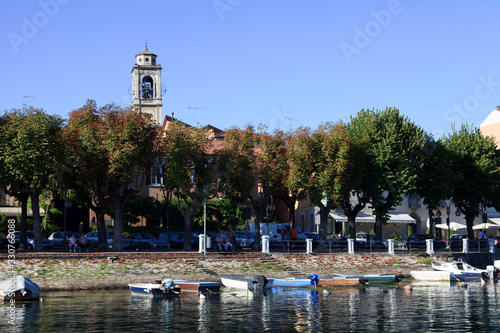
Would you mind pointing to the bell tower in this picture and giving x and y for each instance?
(146, 85)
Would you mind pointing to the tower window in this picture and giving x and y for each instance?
(147, 87)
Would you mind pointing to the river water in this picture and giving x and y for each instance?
(429, 307)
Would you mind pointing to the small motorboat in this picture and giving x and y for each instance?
(166, 288)
(374, 278)
(437, 276)
(246, 282)
(196, 286)
(19, 288)
(470, 272)
(311, 281)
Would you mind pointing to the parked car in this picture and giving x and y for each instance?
(60, 239)
(244, 239)
(367, 240)
(195, 237)
(176, 239)
(456, 242)
(30, 235)
(147, 241)
(420, 241)
(3, 241)
(93, 240)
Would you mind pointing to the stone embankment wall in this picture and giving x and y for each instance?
(64, 271)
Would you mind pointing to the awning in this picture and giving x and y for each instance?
(486, 226)
(16, 211)
(367, 218)
(453, 226)
(401, 218)
(361, 217)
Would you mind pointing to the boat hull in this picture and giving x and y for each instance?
(459, 267)
(151, 290)
(436, 276)
(244, 282)
(19, 288)
(374, 278)
(294, 283)
(197, 286)
(342, 282)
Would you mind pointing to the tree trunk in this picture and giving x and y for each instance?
(23, 242)
(37, 230)
(378, 224)
(323, 224)
(188, 218)
(118, 225)
(257, 207)
(102, 238)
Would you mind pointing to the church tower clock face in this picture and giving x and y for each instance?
(147, 89)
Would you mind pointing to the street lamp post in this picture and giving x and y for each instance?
(205, 221)
(448, 210)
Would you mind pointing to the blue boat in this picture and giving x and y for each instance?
(309, 282)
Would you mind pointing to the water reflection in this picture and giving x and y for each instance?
(428, 307)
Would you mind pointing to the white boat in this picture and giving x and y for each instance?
(437, 276)
(470, 272)
(19, 288)
(246, 282)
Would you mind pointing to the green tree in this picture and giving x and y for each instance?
(435, 180)
(240, 174)
(472, 160)
(329, 169)
(32, 151)
(394, 148)
(188, 168)
(112, 148)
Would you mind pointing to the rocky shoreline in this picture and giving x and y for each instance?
(110, 271)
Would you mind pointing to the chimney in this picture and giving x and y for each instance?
(497, 108)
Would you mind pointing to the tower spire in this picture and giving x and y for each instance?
(146, 44)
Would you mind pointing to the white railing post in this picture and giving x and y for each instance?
(465, 248)
(350, 246)
(309, 245)
(265, 244)
(390, 245)
(430, 246)
(201, 243)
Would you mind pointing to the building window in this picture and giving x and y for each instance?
(156, 171)
(414, 201)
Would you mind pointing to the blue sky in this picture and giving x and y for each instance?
(282, 63)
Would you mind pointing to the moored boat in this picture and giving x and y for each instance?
(19, 288)
(246, 282)
(469, 271)
(437, 276)
(166, 288)
(196, 286)
(294, 282)
(374, 278)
